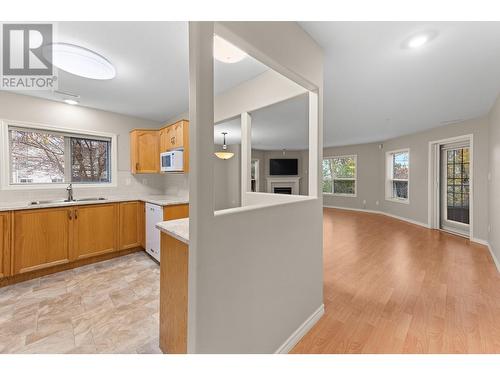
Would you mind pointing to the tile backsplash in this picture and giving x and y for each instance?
(128, 184)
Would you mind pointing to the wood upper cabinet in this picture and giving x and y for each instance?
(96, 229)
(4, 244)
(145, 151)
(41, 238)
(130, 225)
(172, 136)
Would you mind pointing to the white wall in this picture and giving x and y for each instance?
(494, 186)
(371, 173)
(419, 166)
(227, 180)
(255, 273)
(24, 108)
(303, 165)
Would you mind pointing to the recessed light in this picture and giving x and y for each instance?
(419, 40)
(80, 61)
(71, 101)
(226, 52)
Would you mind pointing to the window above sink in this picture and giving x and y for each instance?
(40, 156)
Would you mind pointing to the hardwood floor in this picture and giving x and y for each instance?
(394, 287)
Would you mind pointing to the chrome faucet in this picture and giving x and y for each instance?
(69, 189)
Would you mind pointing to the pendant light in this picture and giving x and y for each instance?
(224, 153)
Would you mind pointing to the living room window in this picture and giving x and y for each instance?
(398, 176)
(340, 175)
(39, 156)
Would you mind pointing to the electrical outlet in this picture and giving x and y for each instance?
(377, 203)
(144, 181)
(128, 181)
(489, 228)
(364, 202)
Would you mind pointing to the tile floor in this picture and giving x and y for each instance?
(107, 307)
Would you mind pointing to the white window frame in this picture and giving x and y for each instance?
(5, 148)
(389, 176)
(355, 178)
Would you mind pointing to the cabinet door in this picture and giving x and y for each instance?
(42, 238)
(4, 244)
(96, 230)
(129, 225)
(178, 131)
(178, 211)
(170, 137)
(163, 140)
(145, 149)
(142, 224)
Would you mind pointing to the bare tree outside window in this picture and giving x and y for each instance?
(36, 157)
(89, 160)
(40, 157)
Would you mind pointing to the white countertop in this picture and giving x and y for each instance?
(160, 200)
(178, 229)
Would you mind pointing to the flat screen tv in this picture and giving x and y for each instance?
(283, 167)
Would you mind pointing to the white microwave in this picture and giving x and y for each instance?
(172, 161)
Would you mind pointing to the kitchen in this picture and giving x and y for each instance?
(93, 172)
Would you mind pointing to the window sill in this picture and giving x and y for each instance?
(340, 195)
(61, 186)
(395, 200)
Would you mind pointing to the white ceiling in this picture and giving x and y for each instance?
(280, 126)
(376, 90)
(151, 60)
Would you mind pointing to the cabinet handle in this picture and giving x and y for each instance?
(172, 140)
(76, 214)
(137, 166)
(70, 215)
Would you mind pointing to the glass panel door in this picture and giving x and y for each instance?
(455, 166)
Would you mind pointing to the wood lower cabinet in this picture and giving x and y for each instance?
(145, 151)
(173, 295)
(130, 225)
(96, 230)
(178, 211)
(4, 244)
(142, 224)
(41, 238)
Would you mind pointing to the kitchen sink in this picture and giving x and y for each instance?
(54, 201)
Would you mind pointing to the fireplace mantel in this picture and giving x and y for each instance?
(283, 181)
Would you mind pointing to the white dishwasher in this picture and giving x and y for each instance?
(154, 215)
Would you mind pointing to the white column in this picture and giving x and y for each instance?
(246, 156)
(315, 148)
(201, 145)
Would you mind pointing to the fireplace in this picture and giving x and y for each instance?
(283, 185)
(282, 190)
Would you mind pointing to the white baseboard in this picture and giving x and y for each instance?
(425, 225)
(480, 241)
(301, 331)
(411, 221)
(354, 209)
(495, 260)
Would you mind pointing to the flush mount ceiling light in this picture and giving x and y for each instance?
(80, 61)
(224, 154)
(226, 52)
(419, 40)
(71, 101)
